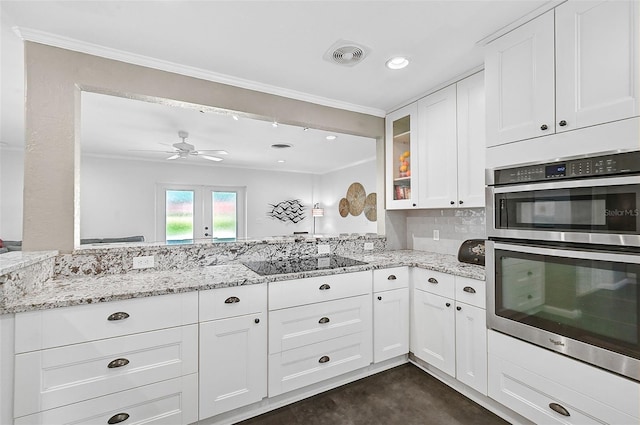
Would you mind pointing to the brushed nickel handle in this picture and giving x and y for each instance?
(117, 363)
(324, 359)
(232, 300)
(559, 409)
(392, 277)
(433, 280)
(469, 289)
(324, 287)
(120, 315)
(324, 320)
(117, 418)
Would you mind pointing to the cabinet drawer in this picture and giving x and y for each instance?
(434, 282)
(234, 301)
(295, 327)
(307, 365)
(36, 330)
(311, 290)
(170, 402)
(58, 376)
(388, 279)
(471, 291)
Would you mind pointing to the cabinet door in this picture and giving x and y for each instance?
(433, 331)
(401, 142)
(437, 161)
(233, 363)
(471, 346)
(519, 78)
(596, 63)
(471, 141)
(390, 324)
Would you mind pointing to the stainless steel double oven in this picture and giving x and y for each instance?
(563, 257)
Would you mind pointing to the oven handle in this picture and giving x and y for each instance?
(569, 253)
(568, 184)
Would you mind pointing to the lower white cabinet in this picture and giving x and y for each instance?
(449, 334)
(170, 402)
(233, 350)
(390, 313)
(549, 388)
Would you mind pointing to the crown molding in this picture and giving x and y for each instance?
(63, 42)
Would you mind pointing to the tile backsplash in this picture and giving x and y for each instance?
(453, 225)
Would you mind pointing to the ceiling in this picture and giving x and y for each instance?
(272, 46)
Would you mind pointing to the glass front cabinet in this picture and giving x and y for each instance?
(401, 142)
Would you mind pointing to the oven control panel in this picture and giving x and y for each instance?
(621, 163)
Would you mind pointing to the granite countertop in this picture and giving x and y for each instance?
(16, 260)
(69, 291)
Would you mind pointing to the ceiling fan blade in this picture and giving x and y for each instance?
(214, 151)
(149, 150)
(176, 156)
(210, 158)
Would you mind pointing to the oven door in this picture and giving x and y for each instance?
(579, 301)
(600, 211)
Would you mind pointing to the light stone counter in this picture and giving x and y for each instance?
(16, 260)
(65, 291)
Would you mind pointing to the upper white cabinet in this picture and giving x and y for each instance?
(447, 162)
(401, 143)
(573, 67)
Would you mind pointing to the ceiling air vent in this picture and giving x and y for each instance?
(346, 53)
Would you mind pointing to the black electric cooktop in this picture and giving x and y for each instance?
(298, 265)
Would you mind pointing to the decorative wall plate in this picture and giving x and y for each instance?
(370, 210)
(356, 196)
(343, 207)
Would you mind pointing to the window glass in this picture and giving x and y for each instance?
(224, 215)
(179, 215)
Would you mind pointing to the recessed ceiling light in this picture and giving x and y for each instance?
(397, 62)
(281, 161)
(331, 137)
(235, 117)
(274, 124)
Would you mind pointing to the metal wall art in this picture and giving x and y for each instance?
(288, 211)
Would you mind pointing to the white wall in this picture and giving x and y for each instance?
(11, 178)
(332, 187)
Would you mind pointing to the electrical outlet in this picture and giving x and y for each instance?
(143, 262)
(324, 249)
(368, 246)
(436, 235)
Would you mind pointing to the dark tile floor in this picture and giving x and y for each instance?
(404, 395)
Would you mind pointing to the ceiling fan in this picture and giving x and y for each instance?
(184, 150)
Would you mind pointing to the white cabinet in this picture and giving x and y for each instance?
(549, 388)
(401, 155)
(233, 348)
(92, 363)
(572, 67)
(390, 313)
(449, 327)
(319, 328)
(448, 160)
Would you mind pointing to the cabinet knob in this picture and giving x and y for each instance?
(452, 202)
(232, 300)
(117, 418)
(469, 289)
(433, 280)
(562, 124)
(460, 202)
(257, 320)
(120, 315)
(206, 234)
(391, 277)
(458, 308)
(324, 320)
(544, 127)
(117, 363)
(379, 298)
(559, 409)
(448, 304)
(324, 359)
(415, 205)
(324, 287)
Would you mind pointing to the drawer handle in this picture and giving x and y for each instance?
(116, 419)
(392, 277)
(469, 289)
(433, 280)
(324, 359)
(117, 363)
(324, 287)
(232, 300)
(559, 409)
(324, 320)
(448, 304)
(121, 315)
